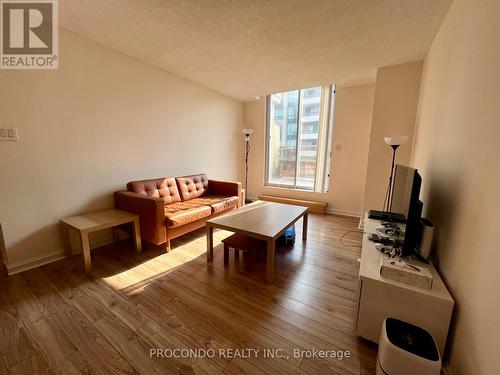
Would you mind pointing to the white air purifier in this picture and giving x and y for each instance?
(405, 349)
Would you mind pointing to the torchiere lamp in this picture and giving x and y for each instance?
(394, 142)
(247, 133)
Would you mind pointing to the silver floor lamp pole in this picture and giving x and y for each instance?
(247, 133)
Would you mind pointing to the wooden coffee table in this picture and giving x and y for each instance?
(261, 220)
(94, 221)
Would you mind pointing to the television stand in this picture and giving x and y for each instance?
(380, 297)
(391, 217)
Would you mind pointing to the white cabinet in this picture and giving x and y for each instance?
(379, 298)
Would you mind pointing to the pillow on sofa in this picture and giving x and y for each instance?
(164, 188)
(192, 186)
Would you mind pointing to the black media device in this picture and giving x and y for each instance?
(387, 216)
(380, 239)
(405, 206)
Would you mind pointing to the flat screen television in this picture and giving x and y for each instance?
(405, 200)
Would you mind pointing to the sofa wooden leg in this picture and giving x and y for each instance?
(166, 246)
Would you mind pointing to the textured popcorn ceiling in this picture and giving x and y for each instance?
(249, 48)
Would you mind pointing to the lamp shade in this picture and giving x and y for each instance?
(247, 132)
(396, 141)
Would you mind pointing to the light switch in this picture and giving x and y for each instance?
(12, 134)
(9, 134)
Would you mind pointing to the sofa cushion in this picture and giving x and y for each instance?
(225, 204)
(192, 186)
(165, 188)
(181, 213)
(218, 203)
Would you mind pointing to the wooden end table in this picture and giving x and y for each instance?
(96, 221)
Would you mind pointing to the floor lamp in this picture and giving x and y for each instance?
(247, 133)
(394, 142)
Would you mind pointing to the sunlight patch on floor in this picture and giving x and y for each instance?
(183, 251)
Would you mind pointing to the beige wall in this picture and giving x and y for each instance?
(394, 110)
(99, 121)
(353, 112)
(457, 150)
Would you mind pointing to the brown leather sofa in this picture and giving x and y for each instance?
(169, 207)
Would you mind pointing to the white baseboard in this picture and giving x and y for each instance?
(343, 213)
(41, 260)
(34, 262)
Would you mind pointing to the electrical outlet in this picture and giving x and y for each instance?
(9, 134)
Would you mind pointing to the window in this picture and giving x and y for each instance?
(299, 130)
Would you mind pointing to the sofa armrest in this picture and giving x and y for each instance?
(224, 188)
(151, 213)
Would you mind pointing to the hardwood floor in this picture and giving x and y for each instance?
(55, 319)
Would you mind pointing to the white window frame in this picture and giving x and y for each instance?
(324, 147)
